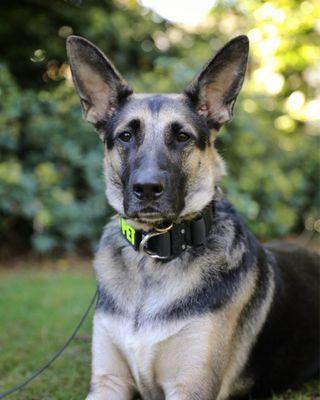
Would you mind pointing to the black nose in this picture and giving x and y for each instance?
(148, 189)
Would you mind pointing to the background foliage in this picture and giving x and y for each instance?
(51, 184)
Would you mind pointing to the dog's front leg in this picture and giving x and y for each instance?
(195, 389)
(190, 366)
(111, 378)
(193, 385)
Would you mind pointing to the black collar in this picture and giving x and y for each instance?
(170, 242)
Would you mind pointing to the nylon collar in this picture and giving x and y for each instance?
(170, 242)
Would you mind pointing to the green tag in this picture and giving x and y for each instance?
(128, 231)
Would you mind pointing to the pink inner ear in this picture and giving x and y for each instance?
(212, 106)
(203, 110)
(98, 92)
(213, 90)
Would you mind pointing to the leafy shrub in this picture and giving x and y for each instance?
(50, 170)
(51, 183)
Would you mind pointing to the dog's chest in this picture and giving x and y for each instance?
(142, 294)
(139, 296)
(141, 348)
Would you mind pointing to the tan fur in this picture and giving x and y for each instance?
(204, 169)
(201, 354)
(242, 342)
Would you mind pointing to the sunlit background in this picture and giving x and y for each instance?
(190, 13)
(51, 186)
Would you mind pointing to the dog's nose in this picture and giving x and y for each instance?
(148, 188)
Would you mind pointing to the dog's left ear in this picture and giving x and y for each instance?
(100, 86)
(215, 89)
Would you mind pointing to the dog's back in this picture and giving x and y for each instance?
(287, 351)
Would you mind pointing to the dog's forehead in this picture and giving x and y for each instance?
(148, 107)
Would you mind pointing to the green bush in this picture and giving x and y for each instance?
(51, 182)
(50, 171)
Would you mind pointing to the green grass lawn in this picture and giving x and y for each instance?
(39, 308)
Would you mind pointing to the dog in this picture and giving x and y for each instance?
(191, 306)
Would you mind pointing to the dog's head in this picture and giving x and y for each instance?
(160, 161)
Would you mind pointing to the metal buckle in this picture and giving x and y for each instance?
(144, 241)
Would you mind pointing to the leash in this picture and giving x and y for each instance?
(54, 357)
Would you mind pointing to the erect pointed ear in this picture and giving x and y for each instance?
(99, 85)
(215, 89)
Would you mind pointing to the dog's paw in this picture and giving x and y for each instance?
(92, 396)
(98, 396)
(106, 396)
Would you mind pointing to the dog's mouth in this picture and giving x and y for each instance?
(151, 215)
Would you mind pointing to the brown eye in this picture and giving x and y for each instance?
(125, 136)
(183, 137)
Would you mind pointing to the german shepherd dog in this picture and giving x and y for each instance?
(191, 306)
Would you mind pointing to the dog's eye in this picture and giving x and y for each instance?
(183, 137)
(125, 136)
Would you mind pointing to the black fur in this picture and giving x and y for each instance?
(288, 349)
(155, 103)
(107, 303)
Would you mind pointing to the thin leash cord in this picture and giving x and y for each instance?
(54, 357)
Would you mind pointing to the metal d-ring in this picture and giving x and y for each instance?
(144, 241)
(163, 230)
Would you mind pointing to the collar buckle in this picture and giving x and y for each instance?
(144, 241)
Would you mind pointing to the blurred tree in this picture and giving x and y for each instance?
(33, 33)
(51, 186)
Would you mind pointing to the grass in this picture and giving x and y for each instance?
(39, 308)
(38, 311)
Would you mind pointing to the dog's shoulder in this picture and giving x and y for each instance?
(230, 241)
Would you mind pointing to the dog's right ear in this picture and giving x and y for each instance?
(99, 85)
